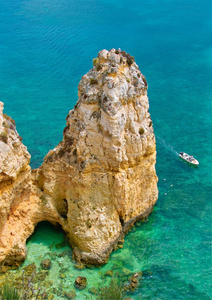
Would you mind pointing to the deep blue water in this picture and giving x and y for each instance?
(45, 48)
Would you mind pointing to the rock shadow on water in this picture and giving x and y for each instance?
(48, 234)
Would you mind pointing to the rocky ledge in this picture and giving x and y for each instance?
(101, 177)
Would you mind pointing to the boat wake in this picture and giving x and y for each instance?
(167, 146)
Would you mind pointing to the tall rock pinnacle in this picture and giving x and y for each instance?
(101, 177)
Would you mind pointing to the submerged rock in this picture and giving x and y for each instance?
(30, 269)
(126, 271)
(46, 264)
(70, 295)
(61, 245)
(133, 282)
(62, 275)
(109, 273)
(137, 275)
(79, 266)
(80, 282)
(40, 276)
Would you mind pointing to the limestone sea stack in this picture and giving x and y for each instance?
(101, 178)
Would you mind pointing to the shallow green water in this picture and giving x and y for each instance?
(45, 48)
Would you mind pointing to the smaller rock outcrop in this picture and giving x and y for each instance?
(80, 282)
(14, 185)
(21, 202)
(46, 264)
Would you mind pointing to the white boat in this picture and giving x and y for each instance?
(189, 158)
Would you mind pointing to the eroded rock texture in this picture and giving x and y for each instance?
(98, 181)
(101, 178)
(21, 207)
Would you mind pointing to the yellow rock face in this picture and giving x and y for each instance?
(20, 205)
(14, 185)
(98, 181)
(102, 175)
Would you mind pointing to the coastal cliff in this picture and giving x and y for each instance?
(21, 207)
(101, 177)
(14, 186)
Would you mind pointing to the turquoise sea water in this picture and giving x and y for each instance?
(45, 48)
